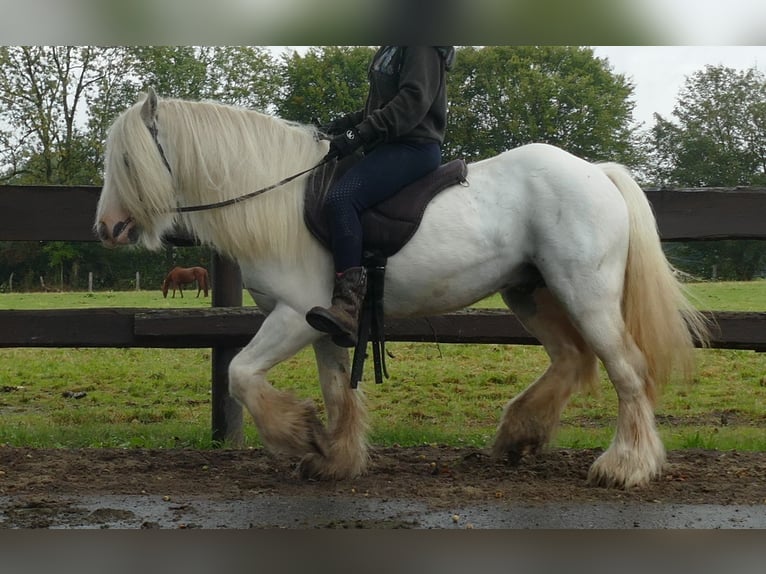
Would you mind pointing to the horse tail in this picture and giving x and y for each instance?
(656, 310)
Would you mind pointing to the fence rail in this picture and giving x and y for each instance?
(235, 326)
(53, 213)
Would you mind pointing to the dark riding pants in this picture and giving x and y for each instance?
(380, 174)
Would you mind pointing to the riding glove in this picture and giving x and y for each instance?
(344, 144)
(340, 124)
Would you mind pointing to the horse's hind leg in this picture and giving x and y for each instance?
(636, 454)
(530, 419)
(346, 454)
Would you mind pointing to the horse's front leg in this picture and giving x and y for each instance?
(346, 455)
(286, 424)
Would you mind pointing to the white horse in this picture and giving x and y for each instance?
(571, 246)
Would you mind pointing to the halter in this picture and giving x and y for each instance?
(205, 206)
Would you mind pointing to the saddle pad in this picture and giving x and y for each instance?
(389, 225)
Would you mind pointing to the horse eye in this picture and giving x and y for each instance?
(126, 160)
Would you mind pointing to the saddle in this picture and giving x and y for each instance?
(387, 227)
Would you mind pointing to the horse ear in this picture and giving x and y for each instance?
(149, 109)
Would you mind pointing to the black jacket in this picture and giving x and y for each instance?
(407, 100)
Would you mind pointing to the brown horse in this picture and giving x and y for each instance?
(179, 276)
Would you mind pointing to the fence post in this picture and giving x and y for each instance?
(226, 412)
(90, 281)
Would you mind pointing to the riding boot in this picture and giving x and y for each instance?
(341, 320)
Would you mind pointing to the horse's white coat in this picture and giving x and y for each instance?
(532, 213)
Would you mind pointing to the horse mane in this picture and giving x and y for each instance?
(219, 152)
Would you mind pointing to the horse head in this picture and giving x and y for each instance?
(137, 199)
(168, 160)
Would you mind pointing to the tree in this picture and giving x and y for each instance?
(324, 83)
(718, 139)
(242, 76)
(173, 71)
(502, 97)
(43, 91)
(719, 136)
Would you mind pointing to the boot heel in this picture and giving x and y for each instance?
(341, 320)
(323, 320)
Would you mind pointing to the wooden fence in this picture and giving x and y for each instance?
(33, 213)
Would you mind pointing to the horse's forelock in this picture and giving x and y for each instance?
(136, 176)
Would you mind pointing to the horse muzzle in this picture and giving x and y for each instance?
(122, 232)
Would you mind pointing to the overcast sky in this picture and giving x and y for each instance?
(659, 72)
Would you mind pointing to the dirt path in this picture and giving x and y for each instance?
(417, 487)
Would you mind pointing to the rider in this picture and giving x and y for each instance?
(400, 131)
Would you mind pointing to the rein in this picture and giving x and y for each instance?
(232, 201)
(205, 206)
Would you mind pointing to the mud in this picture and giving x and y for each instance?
(418, 487)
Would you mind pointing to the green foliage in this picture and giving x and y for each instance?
(242, 76)
(237, 75)
(502, 97)
(719, 136)
(43, 90)
(324, 83)
(718, 139)
(65, 265)
(736, 260)
(173, 71)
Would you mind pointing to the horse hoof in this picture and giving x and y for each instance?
(311, 467)
(624, 473)
(516, 451)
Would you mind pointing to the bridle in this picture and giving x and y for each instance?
(153, 130)
(215, 205)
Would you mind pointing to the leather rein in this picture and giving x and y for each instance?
(226, 202)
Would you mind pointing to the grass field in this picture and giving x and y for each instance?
(450, 394)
